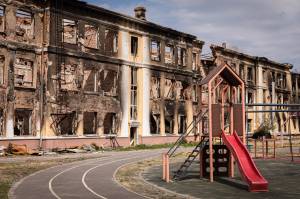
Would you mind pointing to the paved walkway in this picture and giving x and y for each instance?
(282, 175)
(91, 178)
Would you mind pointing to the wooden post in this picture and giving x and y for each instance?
(167, 169)
(263, 147)
(164, 166)
(254, 148)
(274, 151)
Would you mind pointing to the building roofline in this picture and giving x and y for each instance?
(254, 58)
(138, 21)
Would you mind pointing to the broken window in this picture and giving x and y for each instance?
(283, 81)
(134, 45)
(133, 97)
(108, 82)
(2, 64)
(89, 123)
(169, 89)
(194, 93)
(90, 36)
(250, 74)
(265, 76)
(23, 124)
(66, 125)
(90, 83)
(249, 129)
(24, 23)
(181, 56)
(242, 71)
(1, 123)
(178, 90)
(2, 19)
(169, 124)
(169, 54)
(250, 97)
(182, 124)
(69, 31)
(194, 61)
(155, 88)
(154, 123)
(23, 72)
(111, 41)
(155, 50)
(109, 123)
(69, 77)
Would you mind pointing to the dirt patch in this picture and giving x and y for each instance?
(129, 176)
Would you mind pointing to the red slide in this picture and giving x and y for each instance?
(256, 182)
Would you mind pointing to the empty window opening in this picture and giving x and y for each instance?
(2, 19)
(66, 125)
(90, 36)
(91, 83)
(249, 129)
(242, 71)
(250, 98)
(108, 82)
(194, 93)
(155, 88)
(169, 89)
(89, 123)
(182, 124)
(284, 81)
(250, 74)
(133, 104)
(194, 61)
(69, 31)
(134, 46)
(154, 123)
(69, 77)
(265, 76)
(23, 72)
(169, 54)
(23, 124)
(24, 23)
(169, 124)
(181, 56)
(155, 50)
(111, 41)
(1, 123)
(109, 123)
(2, 64)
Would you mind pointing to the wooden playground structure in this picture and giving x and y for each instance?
(222, 103)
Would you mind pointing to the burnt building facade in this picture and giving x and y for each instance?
(73, 74)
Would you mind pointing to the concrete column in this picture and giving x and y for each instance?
(189, 114)
(10, 98)
(144, 101)
(124, 83)
(79, 130)
(176, 118)
(125, 100)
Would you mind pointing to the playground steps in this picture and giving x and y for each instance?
(190, 159)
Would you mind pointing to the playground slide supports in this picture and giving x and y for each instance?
(166, 168)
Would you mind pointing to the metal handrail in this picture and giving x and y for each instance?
(180, 139)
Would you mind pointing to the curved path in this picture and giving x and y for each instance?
(86, 179)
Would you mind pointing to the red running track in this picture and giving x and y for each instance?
(250, 173)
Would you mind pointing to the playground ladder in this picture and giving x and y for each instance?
(184, 135)
(190, 159)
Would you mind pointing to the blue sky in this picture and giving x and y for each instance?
(269, 28)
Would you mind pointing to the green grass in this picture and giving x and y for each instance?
(155, 146)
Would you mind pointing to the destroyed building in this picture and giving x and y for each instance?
(73, 73)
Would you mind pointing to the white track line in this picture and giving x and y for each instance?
(58, 174)
(85, 174)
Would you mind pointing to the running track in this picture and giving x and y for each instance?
(93, 178)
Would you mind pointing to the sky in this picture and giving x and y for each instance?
(266, 28)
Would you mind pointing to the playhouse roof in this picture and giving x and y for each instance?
(226, 72)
